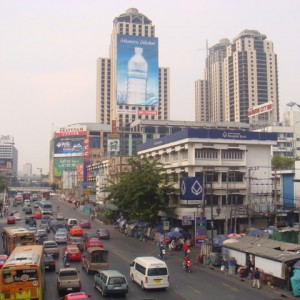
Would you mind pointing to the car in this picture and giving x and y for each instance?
(76, 230)
(63, 230)
(11, 220)
(37, 215)
(69, 199)
(40, 233)
(51, 247)
(61, 237)
(85, 224)
(76, 240)
(36, 205)
(111, 282)
(55, 227)
(103, 234)
(46, 218)
(77, 296)
(45, 226)
(30, 221)
(32, 229)
(3, 259)
(93, 242)
(50, 264)
(60, 216)
(34, 197)
(17, 216)
(74, 252)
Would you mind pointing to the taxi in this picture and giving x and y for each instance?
(3, 259)
(74, 252)
(76, 230)
(37, 215)
(93, 242)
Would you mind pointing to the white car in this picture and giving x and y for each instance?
(17, 216)
(60, 216)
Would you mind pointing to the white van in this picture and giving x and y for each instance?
(149, 272)
(27, 202)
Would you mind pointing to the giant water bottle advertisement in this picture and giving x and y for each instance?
(137, 70)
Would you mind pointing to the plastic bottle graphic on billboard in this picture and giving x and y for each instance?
(137, 78)
(137, 70)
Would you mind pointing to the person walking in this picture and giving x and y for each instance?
(256, 281)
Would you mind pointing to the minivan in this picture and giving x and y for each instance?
(110, 282)
(149, 272)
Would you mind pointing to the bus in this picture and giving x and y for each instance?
(16, 236)
(22, 275)
(46, 207)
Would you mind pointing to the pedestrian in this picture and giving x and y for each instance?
(186, 248)
(256, 281)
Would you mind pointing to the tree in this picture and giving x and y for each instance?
(142, 192)
(3, 185)
(281, 162)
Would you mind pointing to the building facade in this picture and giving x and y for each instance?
(27, 169)
(240, 75)
(8, 157)
(130, 84)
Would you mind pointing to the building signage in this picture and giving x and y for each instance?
(191, 188)
(260, 109)
(186, 220)
(137, 70)
(65, 163)
(72, 130)
(113, 145)
(200, 230)
(143, 112)
(69, 146)
(6, 139)
(86, 150)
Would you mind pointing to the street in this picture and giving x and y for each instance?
(203, 282)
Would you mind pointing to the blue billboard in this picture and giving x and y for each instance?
(137, 70)
(191, 188)
(69, 146)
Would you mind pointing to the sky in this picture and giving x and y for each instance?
(49, 50)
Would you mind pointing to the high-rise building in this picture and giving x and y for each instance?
(27, 169)
(241, 76)
(8, 156)
(130, 84)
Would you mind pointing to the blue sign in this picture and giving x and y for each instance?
(191, 188)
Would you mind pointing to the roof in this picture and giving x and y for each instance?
(274, 250)
(92, 249)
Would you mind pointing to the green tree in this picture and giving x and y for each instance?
(281, 162)
(142, 192)
(3, 185)
(54, 186)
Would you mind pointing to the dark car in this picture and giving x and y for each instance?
(103, 234)
(28, 211)
(30, 221)
(57, 226)
(45, 226)
(50, 264)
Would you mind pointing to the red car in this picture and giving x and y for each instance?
(93, 242)
(3, 259)
(77, 296)
(37, 215)
(76, 231)
(74, 252)
(11, 220)
(85, 224)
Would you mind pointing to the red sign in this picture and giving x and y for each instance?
(260, 109)
(147, 112)
(113, 126)
(86, 150)
(70, 133)
(79, 170)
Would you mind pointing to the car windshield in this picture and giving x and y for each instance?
(50, 245)
(116, 280)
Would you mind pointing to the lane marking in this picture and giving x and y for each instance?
(230, 287)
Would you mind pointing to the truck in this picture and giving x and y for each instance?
(68, 280)
(51, 247)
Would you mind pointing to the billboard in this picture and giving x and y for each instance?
(69, 146)
(6, 164)
(260, 109)
(191, 188)
(71, 130)
(62, 164)
(137, 70)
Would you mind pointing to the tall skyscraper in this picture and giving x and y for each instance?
(27, 169)
(8, 156)
(241, 75)
(130, 84)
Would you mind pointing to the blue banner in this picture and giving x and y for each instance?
(191, 188)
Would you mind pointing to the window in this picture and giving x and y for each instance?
(140, 268)
(232, 154)
(206, 154)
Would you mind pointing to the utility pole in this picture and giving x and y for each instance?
(275, 198)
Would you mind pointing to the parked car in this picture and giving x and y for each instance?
(11, 220)
(74, 252)
(3, 259)
(103, 234)
(76, 230)
(77, 296)
(110, 282)
(85, 224)
(50, 264)
(61, 237)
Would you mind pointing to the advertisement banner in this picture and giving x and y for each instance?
(86, 150)
(200, 230)
(66, 163)
(191, 188)
(79, 169)
(113, 145)
(71, 130)
(6, 164)
(69, 146)
(260, 109)
(137, 70)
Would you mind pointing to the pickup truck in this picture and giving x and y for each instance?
(51, 247)
(68, 280)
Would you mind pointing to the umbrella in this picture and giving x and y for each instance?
(255, 232)
(233, 235)
(175, 234)
(219, 239)
(177, 229)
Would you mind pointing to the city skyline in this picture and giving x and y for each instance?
(50, 49)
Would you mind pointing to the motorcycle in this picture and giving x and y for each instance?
(66, 262)
(162, 253)
(187, 265)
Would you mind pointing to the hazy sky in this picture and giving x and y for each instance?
(49, 49)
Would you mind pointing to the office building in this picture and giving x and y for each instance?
(8, 156)
(27, 169)
(241, 76)
(130, 84)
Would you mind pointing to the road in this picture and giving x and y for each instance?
(202, 283)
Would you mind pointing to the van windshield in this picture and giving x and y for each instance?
(116, 280)
(157, 271)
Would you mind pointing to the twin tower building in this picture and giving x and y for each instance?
(239, 76)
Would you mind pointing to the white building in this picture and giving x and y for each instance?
(234, 167)
(8, 156)
(131, 30)
(27, 169)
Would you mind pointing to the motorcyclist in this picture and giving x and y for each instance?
(186, 262)
(162, 250)
(66, 258)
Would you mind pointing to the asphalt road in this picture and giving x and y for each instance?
(202, 283)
